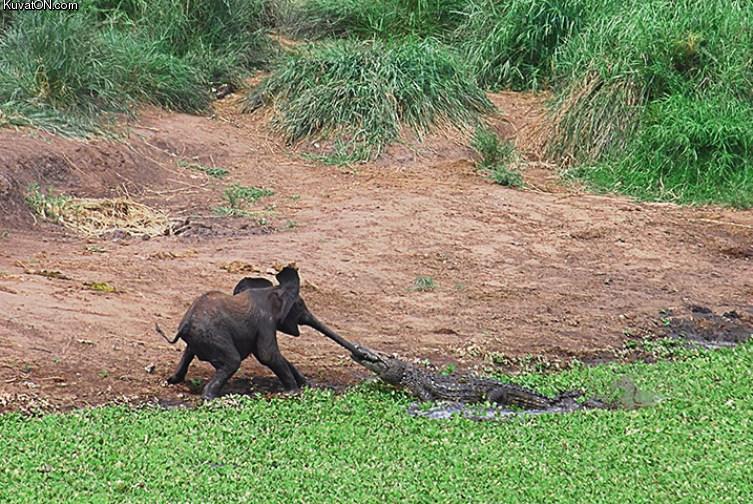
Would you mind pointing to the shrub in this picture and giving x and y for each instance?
(687, 150)
(495, 157)
(646, 51)
(361, 93)
(510, 44)
(371, 18)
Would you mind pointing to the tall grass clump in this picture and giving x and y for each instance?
(510, 44)
(385, 19)
(5, 18)
(221, 38)
(496, 157)
(60, 70)
(360, 94)
(89, 69)
(689, 150)
(614, 76)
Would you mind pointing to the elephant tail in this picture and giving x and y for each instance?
(162, 333)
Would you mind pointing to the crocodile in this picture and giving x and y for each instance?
(429, 386)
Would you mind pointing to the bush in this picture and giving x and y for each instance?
(371, 18)
(111, 54)
(361, 93)
(510, 44)
(495, 157)
(646, 51)
(687, 150)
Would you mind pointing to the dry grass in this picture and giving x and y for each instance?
(592, 118)
(99, 216)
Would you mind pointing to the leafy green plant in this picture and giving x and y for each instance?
(239, 197)
(495, 156)
(46, 205)
(692, 445)
(195, 385)
(449, 369)
(424, 283)
(363, 93)
(212, 171)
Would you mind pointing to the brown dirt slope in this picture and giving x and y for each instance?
(549, 271)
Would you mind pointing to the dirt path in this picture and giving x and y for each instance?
(555, 273)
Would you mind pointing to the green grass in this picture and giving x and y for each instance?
(688, 151)
(495, 156)
(239, 197)
(109, 56)
(511, 44)
(693, 446)
(424, 283)
(212, 171)
(367, 19)
(363, 93)
(655, 96)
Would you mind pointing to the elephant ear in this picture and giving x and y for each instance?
(252, 283)
(289, 325)
(284, 297)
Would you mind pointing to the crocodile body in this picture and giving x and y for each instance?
(428, 386)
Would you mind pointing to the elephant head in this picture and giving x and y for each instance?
(285, 298)
(293, 310)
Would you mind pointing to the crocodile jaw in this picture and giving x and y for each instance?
(370, 360)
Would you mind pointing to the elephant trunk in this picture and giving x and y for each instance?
(311, 321)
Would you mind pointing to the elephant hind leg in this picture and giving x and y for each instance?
(182, 369)
(224, 369)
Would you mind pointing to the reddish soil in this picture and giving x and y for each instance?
(550, 270)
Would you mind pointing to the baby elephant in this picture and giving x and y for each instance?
(223, 330)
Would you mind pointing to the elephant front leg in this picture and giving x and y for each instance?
(299, 378)
(281, 368)
(268, 354)
(182, 369)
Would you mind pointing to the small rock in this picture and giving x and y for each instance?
(149, 368)
(119, 234)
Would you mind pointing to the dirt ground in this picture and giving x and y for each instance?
(549, 270)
